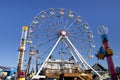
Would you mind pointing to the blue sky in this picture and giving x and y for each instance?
(16, 13)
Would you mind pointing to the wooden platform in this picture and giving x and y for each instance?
(69, 75)
(53, 75)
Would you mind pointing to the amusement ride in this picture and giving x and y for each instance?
(105, 51)
(59, 41)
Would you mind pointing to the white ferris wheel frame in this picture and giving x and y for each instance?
(85, 64)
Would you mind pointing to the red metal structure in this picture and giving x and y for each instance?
(107, 52)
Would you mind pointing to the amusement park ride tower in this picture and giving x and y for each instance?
(105, 51)
(20, 72)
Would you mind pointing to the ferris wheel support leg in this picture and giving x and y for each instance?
(90, 66)
(48, 56)
(82, 57)
(71, 53)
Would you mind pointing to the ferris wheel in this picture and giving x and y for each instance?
(60, 34)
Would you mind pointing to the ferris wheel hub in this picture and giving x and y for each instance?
(63, 33)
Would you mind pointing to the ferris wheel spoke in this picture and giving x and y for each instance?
(66, 22)
(45, 52)
(62, 22)
(49, 20)
(72, 23)
(75, 28)
(82, 47)
(55, 20)
(46, 42)
(79, 40)
(79, 44)
(46, 34)
(75, 34)
(52, 30)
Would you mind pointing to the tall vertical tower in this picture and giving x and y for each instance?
(21, 52)
(107, 51)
